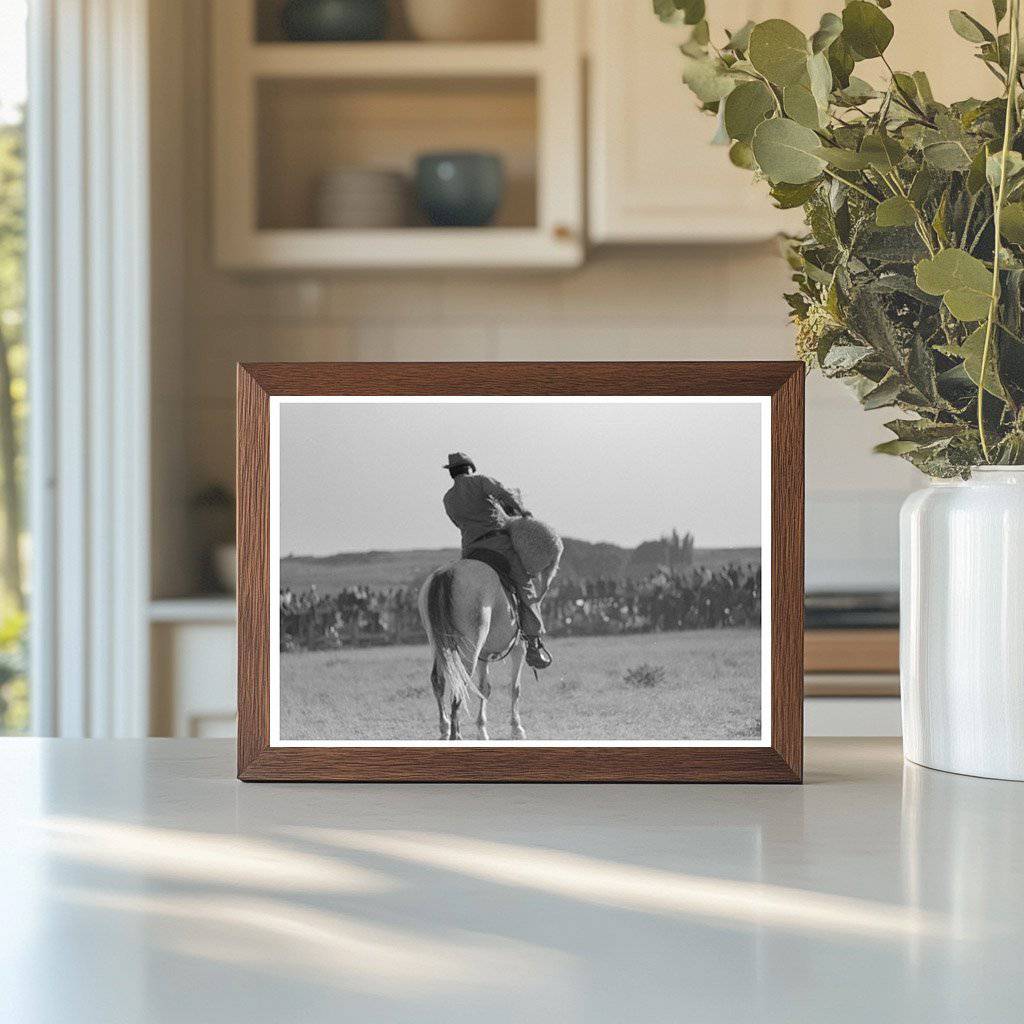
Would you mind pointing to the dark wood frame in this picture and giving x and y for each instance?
(782, 761)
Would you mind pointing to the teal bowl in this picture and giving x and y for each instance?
(460, 189)
(334, 21)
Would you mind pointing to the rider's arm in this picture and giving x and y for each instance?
(511, 501)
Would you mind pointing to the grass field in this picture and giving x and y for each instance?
(710, 691)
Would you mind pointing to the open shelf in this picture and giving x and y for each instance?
(308, 127)
(520, 24)
(406, 248)
(390, 60)
(286, 114)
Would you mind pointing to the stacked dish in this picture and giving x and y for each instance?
(362, 197)
(471, 20)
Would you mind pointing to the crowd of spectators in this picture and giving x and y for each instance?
(729, 595)
(701, 598)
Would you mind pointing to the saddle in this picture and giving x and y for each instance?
(499, 563)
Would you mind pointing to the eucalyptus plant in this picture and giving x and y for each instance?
(910, 277)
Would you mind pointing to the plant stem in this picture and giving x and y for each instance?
(910, 102)
(853, 185)
(1011, 109)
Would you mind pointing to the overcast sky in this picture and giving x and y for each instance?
(362, 476)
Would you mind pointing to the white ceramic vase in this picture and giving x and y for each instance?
(962, 624)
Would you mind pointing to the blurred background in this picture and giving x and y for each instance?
(204, 183)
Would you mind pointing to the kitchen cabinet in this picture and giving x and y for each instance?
(654, 177)
(288, 114)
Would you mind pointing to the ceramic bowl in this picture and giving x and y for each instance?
(460, 189)
(359, 197)
(471, 20)
(333, 21)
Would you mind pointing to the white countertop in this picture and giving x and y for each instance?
(140, 882)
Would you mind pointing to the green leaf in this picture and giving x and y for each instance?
(857, 91)
(721, 136)
(885, 394)
(921, 369)
(969, 28)
(841, 63)
(707, 78)
(829, 30)
(868, 318)
(895, 447)
(1012, 224)
(745, 108)
(922, 185)
(971, 351)
(819, 74)
(939, 220)
(947, 156)
(788, 197)
(993, 167)
(905, 84)
(693, 11)
(801, 106)
(786, 151)
(666, 10)
(844, 159)
(741, 155)
(739, 41)
(883, 152)
(890, 245)
(701, 34)
(976, 173)
(923, 431)
(924, 88)
(963, 281)
(779, 51)
(689, 12)
(866, 29)
(895, 212)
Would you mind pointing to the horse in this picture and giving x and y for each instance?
(470, 623)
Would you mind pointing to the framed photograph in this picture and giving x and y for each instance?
(565, 572)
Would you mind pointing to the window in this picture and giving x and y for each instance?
(14, 691)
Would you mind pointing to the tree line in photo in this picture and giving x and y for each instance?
(666, 600)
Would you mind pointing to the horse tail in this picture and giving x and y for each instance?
(444, 637)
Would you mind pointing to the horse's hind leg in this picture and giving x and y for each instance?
(516, 658)
(438, 686)
(485, 691)
(454, 732)
(470, 658)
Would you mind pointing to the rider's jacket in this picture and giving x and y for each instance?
(468, 506)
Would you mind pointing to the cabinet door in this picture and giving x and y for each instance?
(654, 176)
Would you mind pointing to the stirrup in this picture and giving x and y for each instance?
(537, 656)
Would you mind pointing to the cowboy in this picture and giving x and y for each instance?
(468, 506)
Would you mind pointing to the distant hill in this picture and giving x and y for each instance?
(581, 560)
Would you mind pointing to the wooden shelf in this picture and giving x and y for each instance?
(206, 609)
(393, 60)
(852, 650)
(319, 248)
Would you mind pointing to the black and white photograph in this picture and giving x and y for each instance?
(576, 571)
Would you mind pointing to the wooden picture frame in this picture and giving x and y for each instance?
(780, 759)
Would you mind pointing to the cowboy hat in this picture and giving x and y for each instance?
(457, 459)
